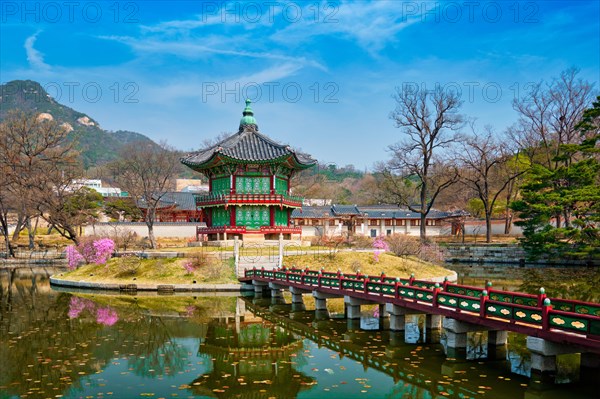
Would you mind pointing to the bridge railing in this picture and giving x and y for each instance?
(514, 307)
(574, 322)
(569, 305)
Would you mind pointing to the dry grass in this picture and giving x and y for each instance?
(153, 271)
(349, 262)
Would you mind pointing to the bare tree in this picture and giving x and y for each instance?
(548, 118)
(36, 159)
(486, 168)
(417, 172)
(146, 172)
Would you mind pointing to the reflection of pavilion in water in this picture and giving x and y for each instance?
(251, 358)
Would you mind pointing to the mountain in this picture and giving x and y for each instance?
(97, 146)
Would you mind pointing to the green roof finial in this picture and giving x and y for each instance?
(248, 118)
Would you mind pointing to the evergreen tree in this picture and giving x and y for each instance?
(571, 189)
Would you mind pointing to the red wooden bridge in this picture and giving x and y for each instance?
(559, 320)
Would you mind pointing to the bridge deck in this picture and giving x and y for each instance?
(557, 320)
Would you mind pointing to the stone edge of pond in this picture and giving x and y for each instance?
(452, 277)
(149, 287)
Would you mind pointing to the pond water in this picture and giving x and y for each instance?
(57, 344)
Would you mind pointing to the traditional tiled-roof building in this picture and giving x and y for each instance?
(249, 184)
(372, 220)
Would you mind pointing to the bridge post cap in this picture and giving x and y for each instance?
(382, 273)
(437, 285)
(412, 275)
(484, 293)
(547, 302)
(542, 290)
(397, 279)
(488, 284)
(445, 278)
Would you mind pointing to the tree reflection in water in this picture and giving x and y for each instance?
(55, 343)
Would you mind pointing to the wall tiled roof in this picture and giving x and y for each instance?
(183, 201)
(367, 212)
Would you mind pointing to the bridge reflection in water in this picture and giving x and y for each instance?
(553, 326)
(57, 343)
(423, 370)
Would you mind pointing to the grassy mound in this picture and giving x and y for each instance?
(155, 271)
(210, 270)
(350, 262)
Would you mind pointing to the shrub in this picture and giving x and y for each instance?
(207, 266)
(362, 242)
(90, 250)
(128, 266)
(403, 244)
(431, 252)
(355, 266)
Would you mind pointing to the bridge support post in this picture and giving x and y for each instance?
(397, 316)
(298, 307)
(543, 355)
(433, 321)
(320, 304)
(497, 337)
(352, 311)
(352, 305)
(589, 367)
(259, 287)
(456, 336)
(297, 299)
(496, 347)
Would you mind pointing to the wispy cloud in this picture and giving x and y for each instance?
(34, 57)
(190, 86)
(192, 49)
(371, 25)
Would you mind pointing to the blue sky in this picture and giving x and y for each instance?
(321, 74)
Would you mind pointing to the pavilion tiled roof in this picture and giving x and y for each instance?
(247, 145)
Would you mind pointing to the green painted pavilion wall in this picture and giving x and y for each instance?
(253, 185)
(252, 216)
